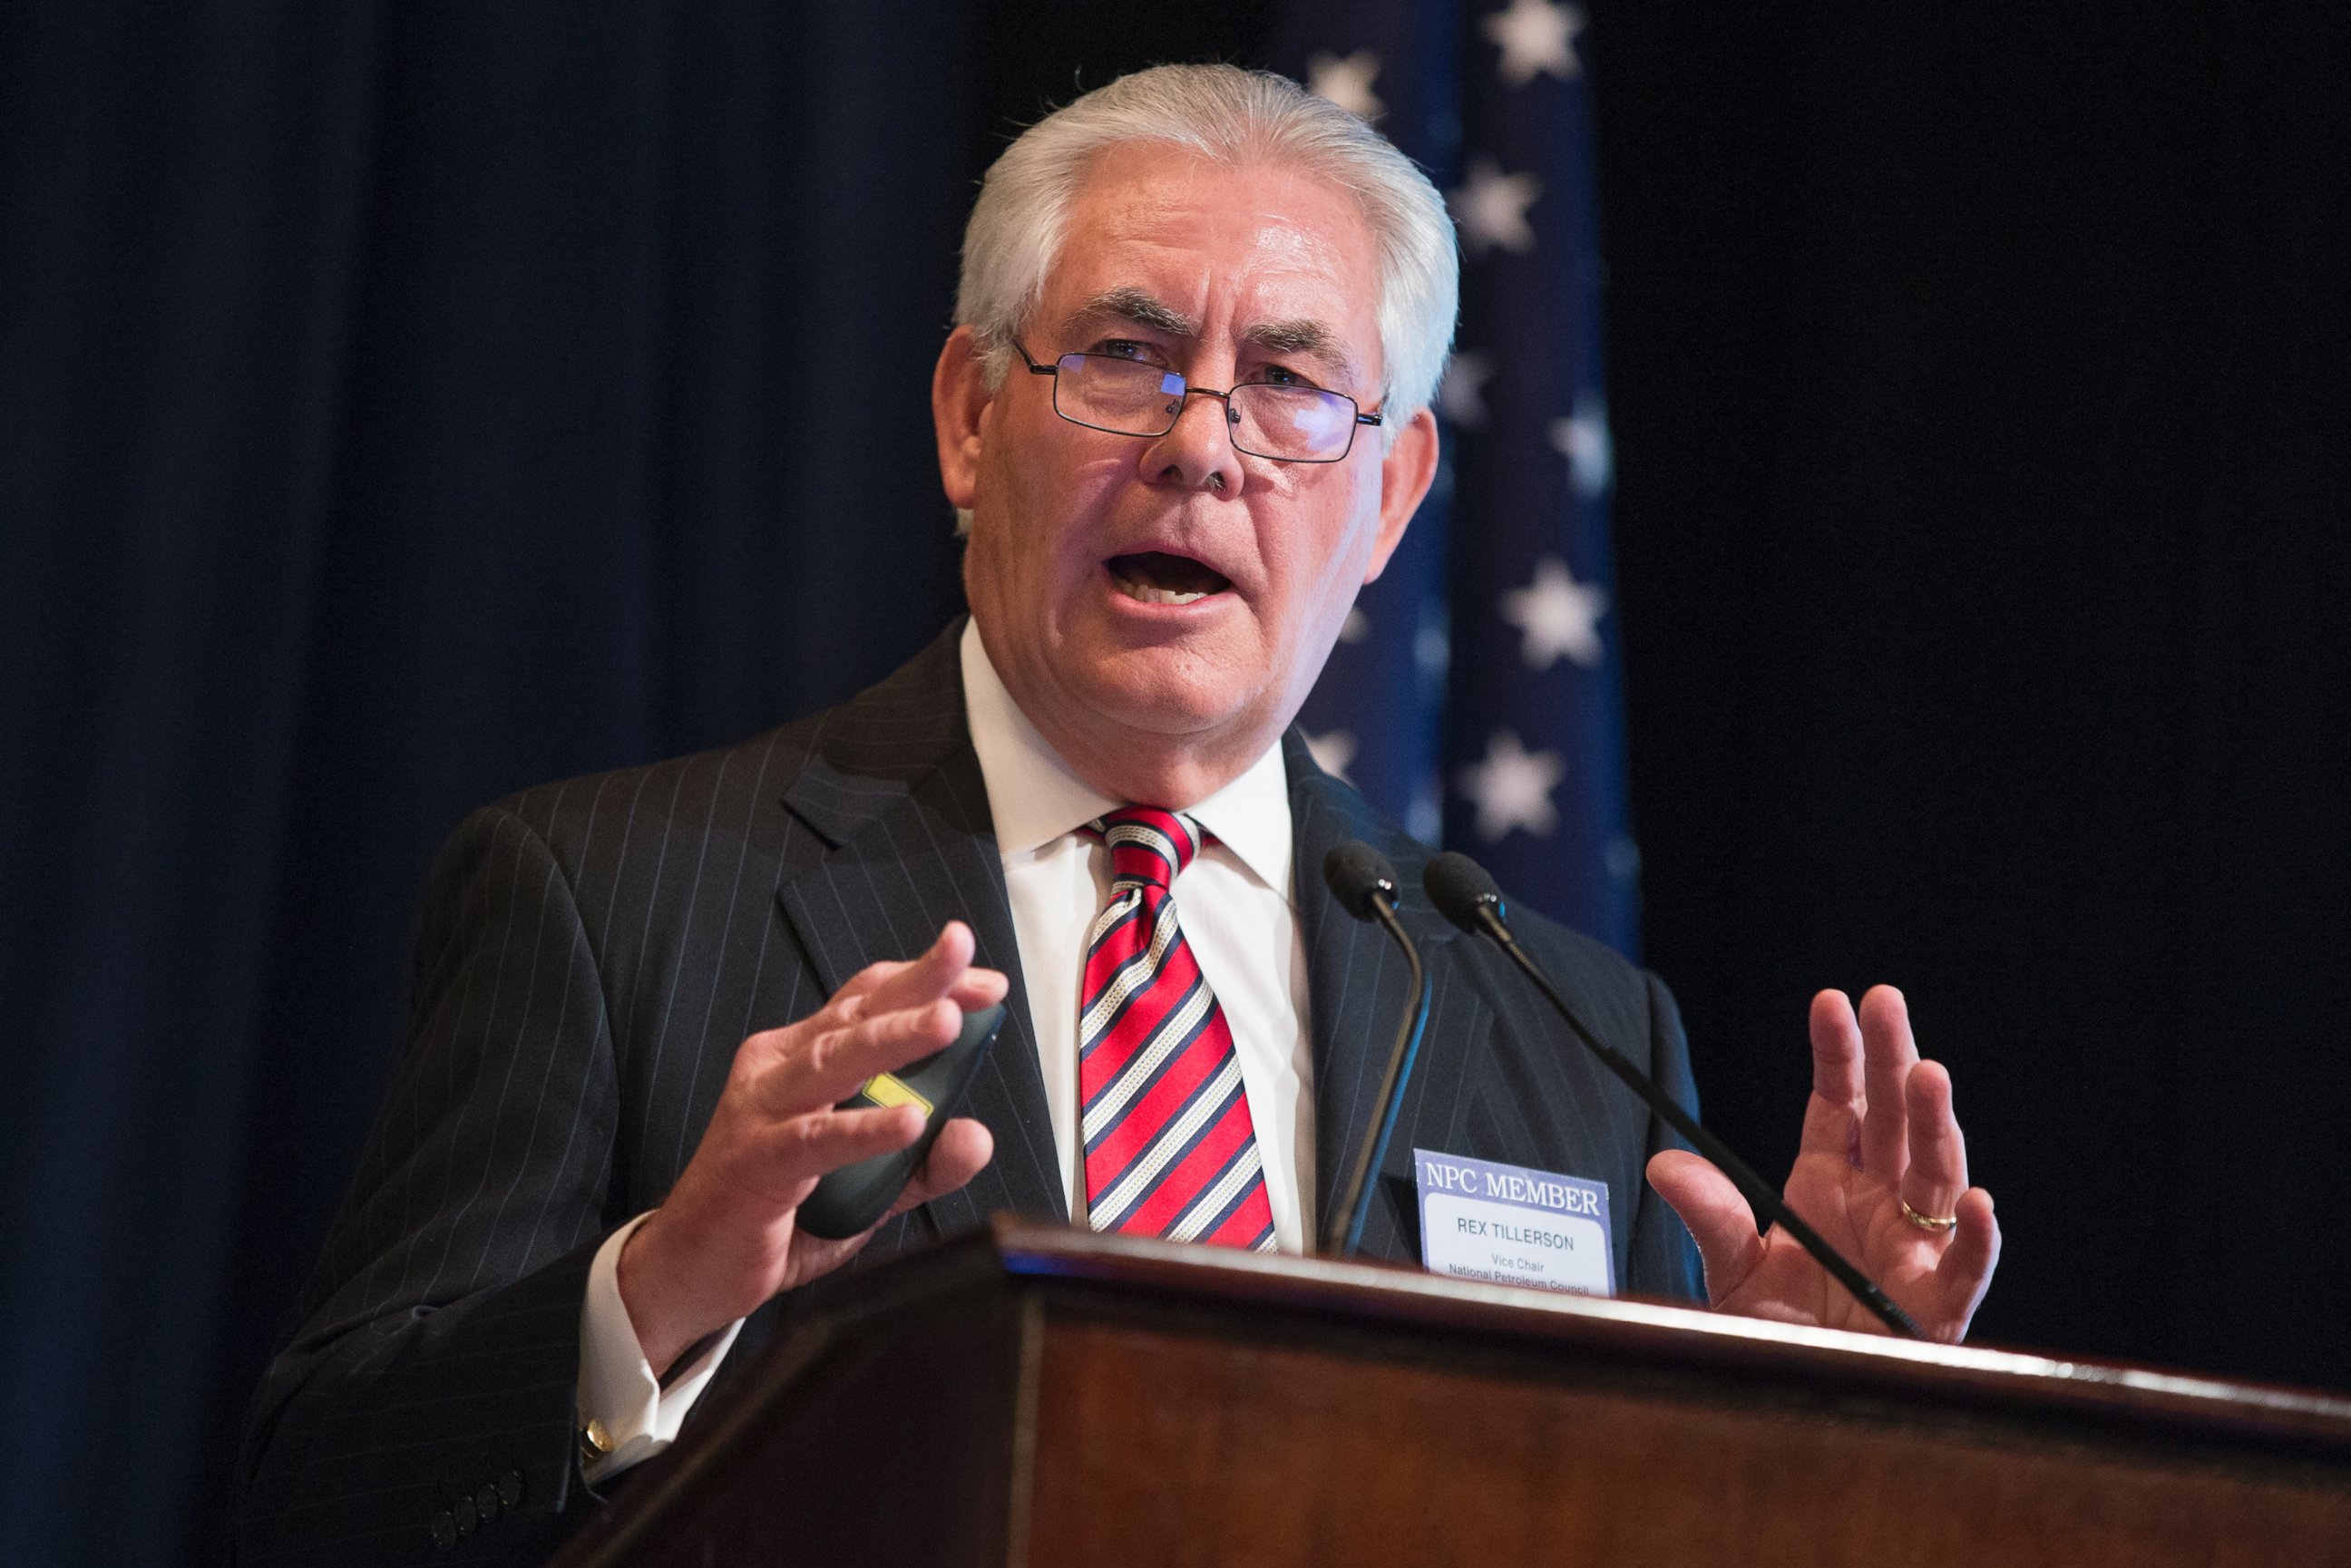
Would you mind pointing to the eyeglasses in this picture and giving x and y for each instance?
(1265, 419)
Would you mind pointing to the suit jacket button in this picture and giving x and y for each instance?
(486, 1500)
(444, 1529)
(463, 1510)
(510, 1489)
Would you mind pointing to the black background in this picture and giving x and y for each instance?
(401, 404)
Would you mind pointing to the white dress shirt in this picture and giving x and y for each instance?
(1234, 902)
(1237, 903)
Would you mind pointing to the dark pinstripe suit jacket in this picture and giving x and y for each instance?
(592, 954)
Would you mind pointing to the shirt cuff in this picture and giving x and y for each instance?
(626, 1415)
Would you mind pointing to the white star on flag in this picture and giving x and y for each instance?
(1346, 82)
(1492, 208)
(1425, 818)
(1462, 397)
(1558, 615)
(1356, 627)
(1623, 857)
(1583, 440)
(1511, 789)
(1536, 36)
(1432, 649)
(1333, 752)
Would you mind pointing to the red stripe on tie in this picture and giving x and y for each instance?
(1154, 994)
(1247, 1222)
(1134, 1029)
(1176, 968)
(1181, 1184)
(1157, 1106)
(1140, 874)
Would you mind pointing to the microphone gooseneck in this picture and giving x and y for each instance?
(1364, 883)
(1465, 895)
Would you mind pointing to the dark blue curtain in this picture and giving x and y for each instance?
(402, 403)
(1982, 379)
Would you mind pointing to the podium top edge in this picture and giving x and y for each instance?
(1661, 1332)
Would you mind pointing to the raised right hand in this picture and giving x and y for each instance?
(725, 1238)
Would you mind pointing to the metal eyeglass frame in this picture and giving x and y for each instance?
(1232, 419)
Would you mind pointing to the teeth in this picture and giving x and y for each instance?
(1150, 595)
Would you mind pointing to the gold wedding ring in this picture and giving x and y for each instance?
(1926, 1222)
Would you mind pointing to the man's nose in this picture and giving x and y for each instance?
(1198, 453)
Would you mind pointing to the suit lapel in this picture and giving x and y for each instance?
(893, 789)
(1358, 986)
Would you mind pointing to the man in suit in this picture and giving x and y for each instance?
(639, 997)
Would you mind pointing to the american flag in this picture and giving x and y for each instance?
(1476, 694)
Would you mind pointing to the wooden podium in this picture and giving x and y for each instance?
(1043, 1396)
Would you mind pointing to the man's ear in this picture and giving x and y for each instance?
(1405, 474)
(959, 396)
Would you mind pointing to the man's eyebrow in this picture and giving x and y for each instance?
(1304, 335)
(1133, 305)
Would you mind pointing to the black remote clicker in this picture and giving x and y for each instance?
(851, 1198)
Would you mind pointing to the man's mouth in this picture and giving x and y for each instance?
(1154, 577)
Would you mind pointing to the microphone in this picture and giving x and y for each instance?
(1466, 896)
(1359, 877)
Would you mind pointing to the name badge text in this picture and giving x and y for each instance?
(1508, 1225)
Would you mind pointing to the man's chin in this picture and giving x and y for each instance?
(1171, 718)
(1177, 693)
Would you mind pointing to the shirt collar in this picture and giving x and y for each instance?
(1034, 797)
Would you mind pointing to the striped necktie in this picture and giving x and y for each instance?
(1170, 1149)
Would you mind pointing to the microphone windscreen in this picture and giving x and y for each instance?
(1353, 871)
(1457, 885)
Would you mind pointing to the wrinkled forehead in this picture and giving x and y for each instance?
(1187, 245)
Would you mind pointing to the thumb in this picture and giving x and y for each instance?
(1718, 1218)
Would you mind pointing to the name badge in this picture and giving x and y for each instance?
(1510, 1226)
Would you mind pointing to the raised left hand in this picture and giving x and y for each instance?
(1879, 1132)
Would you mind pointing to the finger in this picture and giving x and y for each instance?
(854, 990)
(891, 983)
(834, 1064)
(1937, 1170)
(1833, 1116)
(942, 973)
(963, 1148)
(823, 1141)
(843, 1007)
(1718, 1218)
(1964, 1271)
(979, 988)
(1888, 1053)
(930, 975)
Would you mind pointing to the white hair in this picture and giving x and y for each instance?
(1233, 117)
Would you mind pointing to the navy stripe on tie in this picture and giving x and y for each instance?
(1149, 1152)
(1158, 1071)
